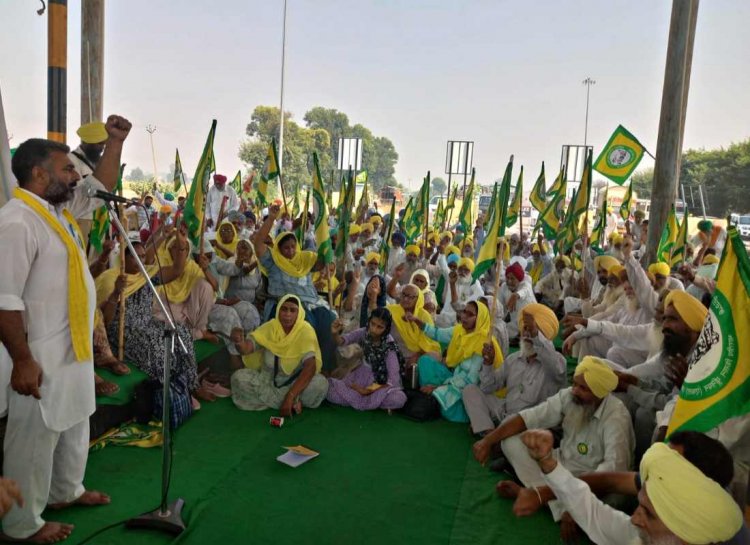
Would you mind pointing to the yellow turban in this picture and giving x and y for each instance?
(467, 242)
(692, 506)
(600, 379)
(365, 227)
(413, 249)
(466, 262)
(446, 234)
(544, 317)
(617, 238)
(605, 262)
(433, 236)
(615, 270)
(165, 209)
(692, 311)
(376, 220)
(565, 259)
(710, 259)
(372, 256)
(354, 229)
(93, 133)
(452, 250)
(535, 248)
(659, 268)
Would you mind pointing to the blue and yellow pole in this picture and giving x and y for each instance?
(57, 68)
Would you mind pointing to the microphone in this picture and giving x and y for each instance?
(93, 193)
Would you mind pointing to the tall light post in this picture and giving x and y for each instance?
(588, 82)
(281, 105)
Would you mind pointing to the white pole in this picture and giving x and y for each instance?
(281, 107)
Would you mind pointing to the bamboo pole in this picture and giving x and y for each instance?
(121, 324)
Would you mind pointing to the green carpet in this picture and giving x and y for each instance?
(378, 479)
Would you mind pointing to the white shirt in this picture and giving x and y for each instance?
(35, 282)
(213, 202)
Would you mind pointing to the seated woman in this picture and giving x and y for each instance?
(241, 272)
(144, 339)
(226, 240)
(289, 377)
(410, 339)
(445, 378)
(288, 270)
(376, 383)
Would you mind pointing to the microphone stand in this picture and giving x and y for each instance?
(167, 518)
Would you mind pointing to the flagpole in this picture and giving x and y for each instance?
(151, 129)
(281, 101)
(498, 261)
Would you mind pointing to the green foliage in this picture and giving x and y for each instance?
(324, 126)
(438, 186)
(136, 175)
(147, 186)
(642, 183)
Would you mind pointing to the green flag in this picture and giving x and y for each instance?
(717, 385)
(503, 197)
(680, 243)
(465, 216)
(322, 231)
(488, 251)
(437, 221)
(558, 184)
(668, 238)
(409, 224)
(514, 209)
(179, 175)
(364, 199)
(451, 204)
(620, 157)
(345, 215)
(270, 172)
(196, 201)
(627, 203)
(385, 244)
(583, 195)
(302, 229)
(549, 220)
(538, 197)
(237, 182)
(421, 206)
(597, 235)
(295, 201)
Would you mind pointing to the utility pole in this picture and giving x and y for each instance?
(92, 61)
(588, 82)
(672, 120)
(57, 69)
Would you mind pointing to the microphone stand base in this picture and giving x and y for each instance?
(168, 521)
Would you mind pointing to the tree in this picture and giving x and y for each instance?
(642, 183)
(136, 175)
(438, 186)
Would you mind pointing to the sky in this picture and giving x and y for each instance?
(505, 74)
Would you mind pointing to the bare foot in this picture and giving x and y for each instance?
(507, 489)
(113, 364)
(88, 498)
(51, 532)
(104, 388)
(204, 394)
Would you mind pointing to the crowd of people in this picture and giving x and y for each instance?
(415, 320)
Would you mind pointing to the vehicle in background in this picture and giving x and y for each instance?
(743, 224)
(484, 203)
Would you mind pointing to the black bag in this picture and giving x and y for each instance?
(420, 407)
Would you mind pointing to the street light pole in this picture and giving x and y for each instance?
(588, 82)
(281, 105)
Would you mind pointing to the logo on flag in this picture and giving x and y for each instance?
(620, 156)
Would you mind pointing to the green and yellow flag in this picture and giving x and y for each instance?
(550, 218)
(620, 157)
(237, 182)
(179, 175)
(345, 214)
(322, 231)
(538, 197)
(196, 200)
(385, 244)
(668, 238)
(422, 205)
(514, 209)
(451, 204)
(464, 217)
(597, 235)
(270, 172)
(627, 203)
(717, 385)
(361, 177)
(100, 223)
(503, 197)
(681, 242)
(364, 199)
(580, 204)
(488, 251)
(295, 206)
(437, 221)
(559, 183)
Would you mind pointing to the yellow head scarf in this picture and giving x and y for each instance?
(466, 262)
(545, 319)
(452, 250)
(105, 283)
(178, 290)
(446, 234)
(692, 311)
(600, 379)
(605, 262)
(659, 268)
(412, 249)
(93, 133)
(231, 245)
(565, 259)
(413, 337)
(537, 268)
(289, 348)
(710, 259)
(372, 256)
(354, 229)
(465, 344)
(302, 262)
(365, 227)
(694, 507)
(78, 306)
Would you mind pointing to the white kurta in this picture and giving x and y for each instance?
(213, 202)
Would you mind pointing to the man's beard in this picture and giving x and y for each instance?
(463, 280)
(633, 304)
(655, 339)
(579, 415)
(612, 295)
(527, 348)
(58, 192)
(674, 344)
(645, 539)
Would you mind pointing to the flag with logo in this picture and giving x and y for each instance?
(270, 172)
(627, 203)
(668, 238)
(538, 196)
(620, 157)
(680, 243)
(100, 223)
(320, 210)
(488, 251)
(464, 216)
(179, 175)
(717, 385)
(514, 209)
(580, 204)
(195, 203)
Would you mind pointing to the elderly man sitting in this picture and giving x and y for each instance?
(597, 432)
(552, 287)
(530, 375)
(515, 293)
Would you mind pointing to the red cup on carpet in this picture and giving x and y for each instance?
(276, 421)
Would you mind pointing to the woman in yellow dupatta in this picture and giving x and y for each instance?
(226, 240)
(410, 339)
(289, 378)
(446, 378)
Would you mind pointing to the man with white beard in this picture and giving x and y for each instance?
(461, 289)
(552, 287)
(680, 501)
(627, 311)
(597, 434)
(583, 305)
(529, 376)
(515, 294)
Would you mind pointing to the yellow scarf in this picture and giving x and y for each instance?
(413, 337)
(536, 271)
(300, 265)
(78, 301)
(316, 277)
(289, 348)
(178, 290)
(231, 245)
(465, 344)
(105, 283)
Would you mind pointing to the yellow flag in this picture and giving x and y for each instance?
(620, 157)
